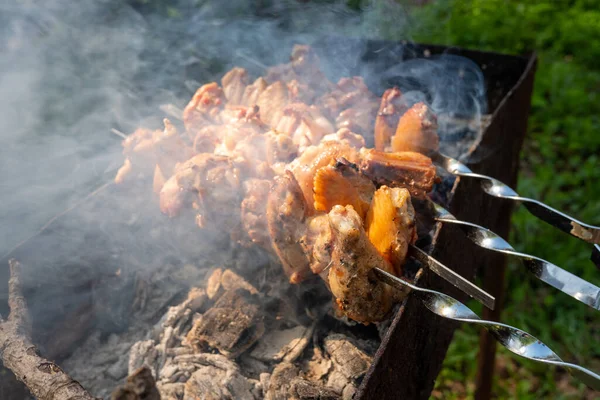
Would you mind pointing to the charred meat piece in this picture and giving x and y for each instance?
(342, 184)
(254, 210)
(319, 238)
(409, 170)
(416, 131)
(204, 107)
(390, 110)
(358, 119)
(345, 135)
(347, 93)
(271, 103)
(253, 91)
(390, 225)
(358, 293)
(305, 125)
(234, 84)
(286, 219)
(211, 184)
(315, 157)
(147, 151)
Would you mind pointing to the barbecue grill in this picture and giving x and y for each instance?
(411, 352)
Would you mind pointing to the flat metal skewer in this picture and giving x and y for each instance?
(493, 187)
(545, 271)
(455, 279)
(515, 340)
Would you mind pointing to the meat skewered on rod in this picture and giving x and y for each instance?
(284, 163)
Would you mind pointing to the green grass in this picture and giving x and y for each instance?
(559, 165)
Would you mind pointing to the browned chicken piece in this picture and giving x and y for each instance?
(315, 157)
(206, 139)
(347, 93)
(304, 124)
(204, 107)
(353, 139)
(234, 85)
(416, 131)
(390, 225)
(146, 149)
(271, 103)
(358, 293)
(253, 213)
(409, 170)
(304, 67)
(286, 219)
(342, 184)
(259, 155)
(358, 118)
(301, 92)
(253, 91)
(390, 110)
(211, 185)
(319, 239)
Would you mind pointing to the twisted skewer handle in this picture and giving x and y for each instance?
(515, 340)
(545, 271)
(494, 187)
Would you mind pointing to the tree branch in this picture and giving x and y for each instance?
(44, 379)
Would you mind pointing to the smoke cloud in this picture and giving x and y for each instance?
(72, 71)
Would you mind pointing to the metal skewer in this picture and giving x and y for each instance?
(494, 187)
(517, 341)
(455, 279)
(545, 271)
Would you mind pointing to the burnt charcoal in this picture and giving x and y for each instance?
(276, 344)
(231, 326)
(209, 382)
(347, 357)
(280, 381)
(305, 390)
(221, 281)
(286, 344)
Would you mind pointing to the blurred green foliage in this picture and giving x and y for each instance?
(559, 165)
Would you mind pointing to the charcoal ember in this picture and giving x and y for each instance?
(210, 382)
(179, 316)
(280, 344)
(143, 353)
(318, 365)
(348, 358)
(301, 389)
(172, 391)
(280, 381)
(251, 366)
(222, 280)
(231, 326)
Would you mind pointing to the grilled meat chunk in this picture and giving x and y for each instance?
(409, 170)
(390, 110)
(234, 85)
(209, 183)
(315, 157)
(146, 151)
(253, 212)
(358, 293)
(390, 225)
(286, 219)
(342, 184)
(416, 131)
(205, 106)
